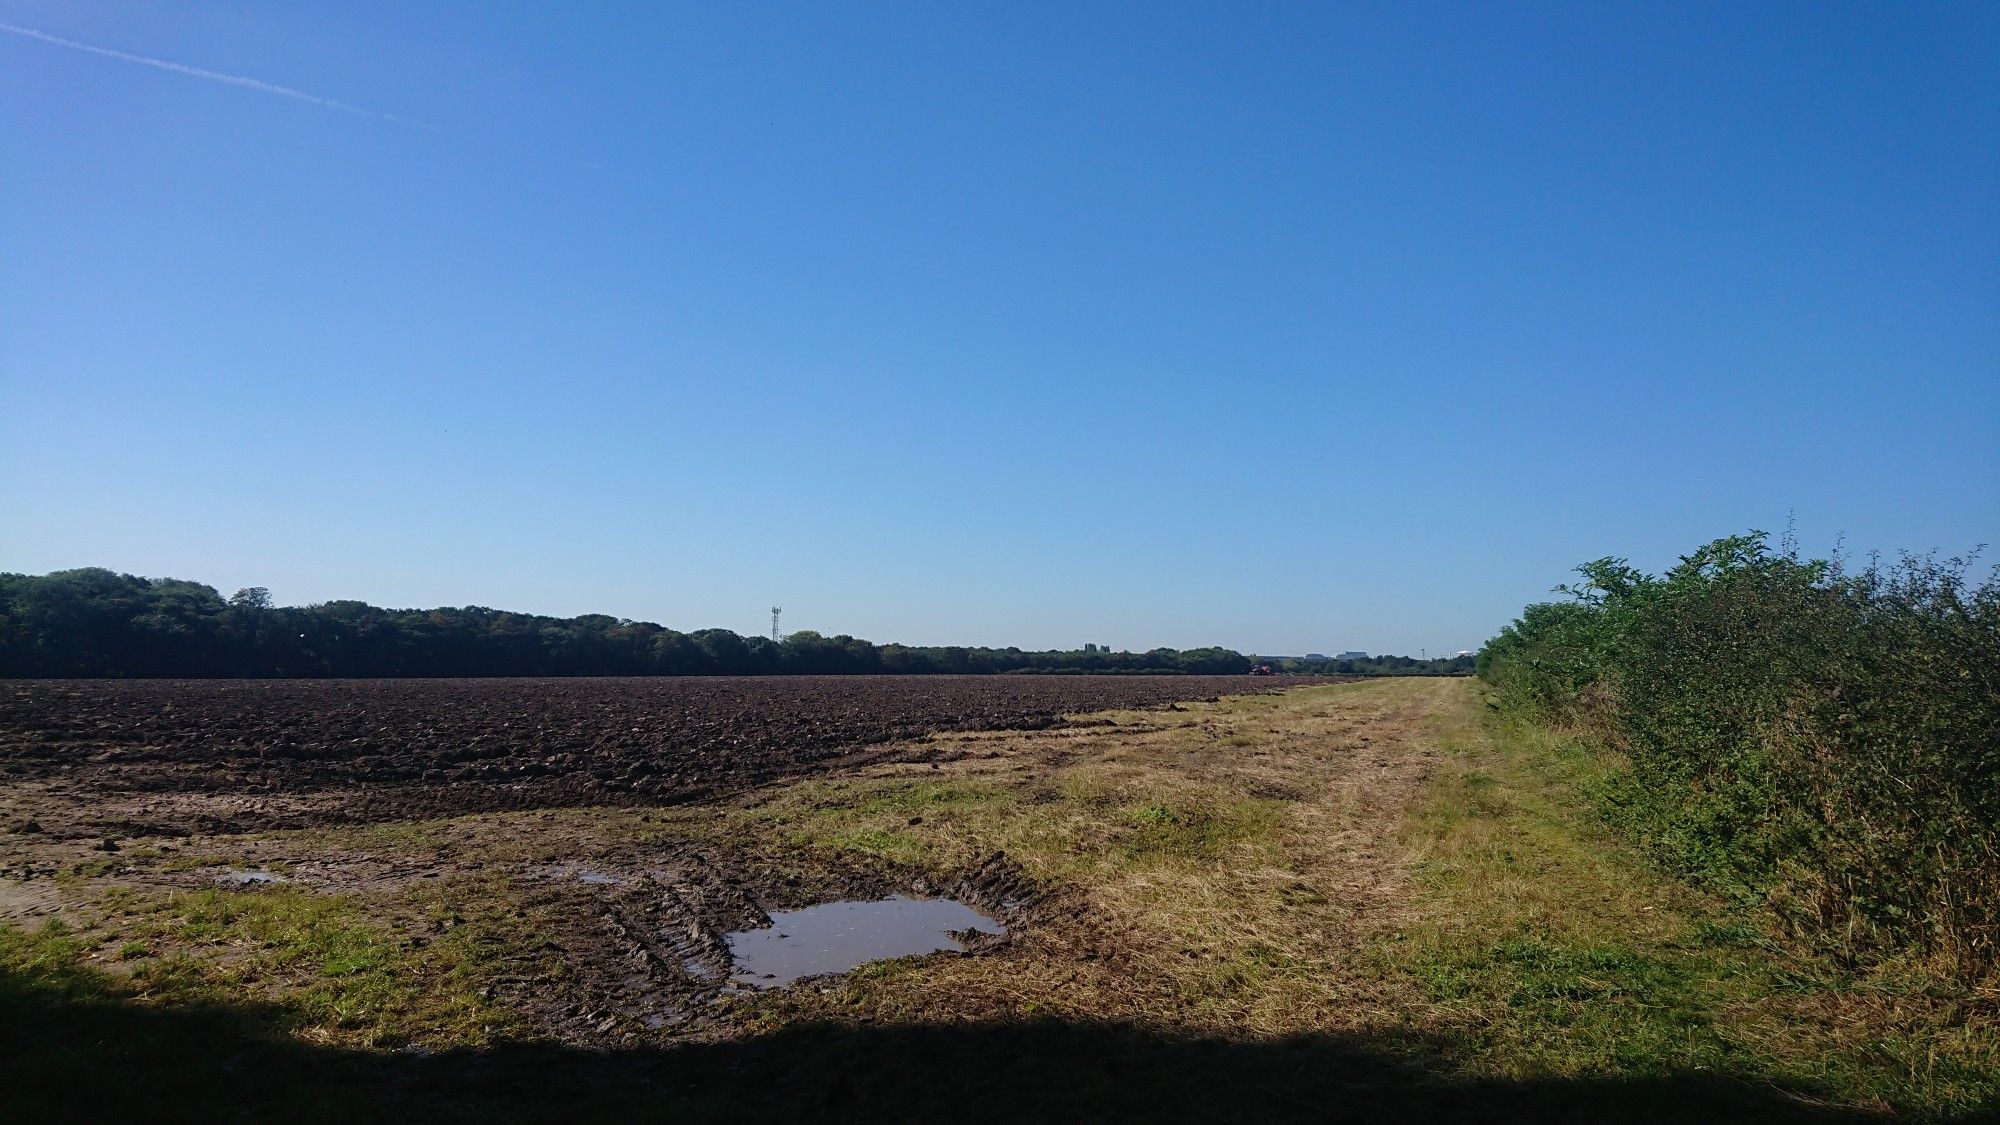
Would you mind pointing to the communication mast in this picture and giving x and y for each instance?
(776, 637)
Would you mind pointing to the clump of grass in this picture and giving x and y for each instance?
(88, 869)
(1187, 832)
(49, 958)
(927, 798)
(881, 843)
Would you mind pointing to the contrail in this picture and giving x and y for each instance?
(218, 76)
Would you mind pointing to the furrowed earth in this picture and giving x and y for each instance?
(177, 756)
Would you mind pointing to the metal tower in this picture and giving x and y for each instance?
(776, 637)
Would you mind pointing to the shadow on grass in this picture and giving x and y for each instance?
(71, 1052)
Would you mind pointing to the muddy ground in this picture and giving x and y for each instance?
(140, 758)
(594, 841)
(519, 808)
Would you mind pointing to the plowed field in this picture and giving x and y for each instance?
(180, 756)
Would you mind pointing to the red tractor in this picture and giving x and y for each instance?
(1263, 670)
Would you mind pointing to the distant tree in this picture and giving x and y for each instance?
(251, 597)
(726, 652)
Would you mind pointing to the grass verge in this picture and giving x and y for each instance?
(1552, 947)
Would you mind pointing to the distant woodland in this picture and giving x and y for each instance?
(1370, 666)
(95, 622)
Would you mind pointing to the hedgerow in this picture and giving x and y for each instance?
(1824, 742)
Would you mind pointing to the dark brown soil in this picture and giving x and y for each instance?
(290, 753)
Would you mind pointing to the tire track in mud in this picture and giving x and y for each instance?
(648, 948)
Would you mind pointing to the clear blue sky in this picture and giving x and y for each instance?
(1290, 328)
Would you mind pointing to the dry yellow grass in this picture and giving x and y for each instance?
(1226, 869)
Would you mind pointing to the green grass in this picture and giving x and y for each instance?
(927, 797)
(1186, 832)
(1551, 946)
(344, 970)
(877, 843)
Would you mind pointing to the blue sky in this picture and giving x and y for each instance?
(1290, 328)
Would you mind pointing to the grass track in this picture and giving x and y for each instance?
(1555, 949)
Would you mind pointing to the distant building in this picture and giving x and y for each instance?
(1352, 656)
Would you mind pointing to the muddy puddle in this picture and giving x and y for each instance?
(834, 937)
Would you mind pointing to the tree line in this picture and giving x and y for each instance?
(1370, 666)
(95, 622)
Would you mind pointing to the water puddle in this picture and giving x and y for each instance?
(836, 936)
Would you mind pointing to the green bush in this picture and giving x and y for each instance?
(1825, 742)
